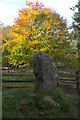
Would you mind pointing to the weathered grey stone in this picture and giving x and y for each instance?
(32, 94)
(23, 101)
(45, 72)
(50, 99)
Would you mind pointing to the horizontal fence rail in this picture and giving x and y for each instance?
(67, 76)
(13, 69)
(19, 86)
(68, 70)
(16, 75)
(17, 81)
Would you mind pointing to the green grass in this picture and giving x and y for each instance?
(0, 103)
(36, 107)
(30, 78)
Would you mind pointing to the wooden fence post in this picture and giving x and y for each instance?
(77, 80)
(8, 69)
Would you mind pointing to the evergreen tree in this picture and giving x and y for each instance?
(76, 26)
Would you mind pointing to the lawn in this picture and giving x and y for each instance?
(35, 107)
(0, 102)
(19, 103)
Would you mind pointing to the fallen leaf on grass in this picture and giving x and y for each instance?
(50, 103)
(22, 108)
(26, 117)
(11, 106)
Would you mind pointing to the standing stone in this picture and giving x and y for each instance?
(45, 72)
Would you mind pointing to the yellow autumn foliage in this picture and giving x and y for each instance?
(37, 28)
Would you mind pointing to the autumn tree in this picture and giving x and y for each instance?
(38, 29)
(0, 44)
(7, 35)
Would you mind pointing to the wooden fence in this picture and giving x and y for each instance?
(69, 77)
(65, 76)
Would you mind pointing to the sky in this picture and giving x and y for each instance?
(9, 9)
